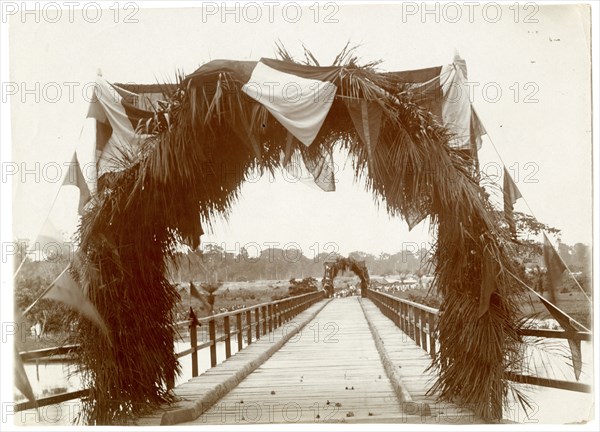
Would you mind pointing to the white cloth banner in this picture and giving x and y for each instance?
(299, 104)
(456, 108)
(106, 107)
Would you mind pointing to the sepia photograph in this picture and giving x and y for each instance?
(299, 215)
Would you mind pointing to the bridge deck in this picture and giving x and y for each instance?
(330, 371)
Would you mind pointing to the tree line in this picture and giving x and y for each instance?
(214, 264)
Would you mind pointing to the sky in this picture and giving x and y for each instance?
(529, 67)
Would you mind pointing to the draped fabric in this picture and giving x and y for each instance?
(456, 106)
(299, 104)
(300, 98)
(444, 92)
(120, 119)
(109, 135)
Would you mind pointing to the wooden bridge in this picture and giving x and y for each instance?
(308, 359)
(327, 364)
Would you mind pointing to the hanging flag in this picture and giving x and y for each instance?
(299, 104)
(568, 324)
(477, 130)
(240, 123)
(315, 173)
(489, 272)
(511, 195)
(195, 293)
(205, 300)
(555, 268)
(75, 177)
(414, 215)
(366, 117)
(65, 290)
(49, 239)
(322, 170)
(21, 380)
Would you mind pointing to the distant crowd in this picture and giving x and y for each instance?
(347, 292)
(231, 308)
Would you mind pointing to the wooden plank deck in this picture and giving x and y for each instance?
(199, 393)
(412, 362)
(330, 372)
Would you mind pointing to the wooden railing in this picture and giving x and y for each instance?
(419, 322)
(251, 322)
(416, 320)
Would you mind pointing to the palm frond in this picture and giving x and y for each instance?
(207, 139)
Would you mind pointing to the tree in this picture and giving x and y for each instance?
(581, 257)
(528, 226)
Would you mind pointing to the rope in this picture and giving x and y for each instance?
(531, 211)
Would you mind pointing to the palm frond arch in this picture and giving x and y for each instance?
(342, 264)
(204, 143)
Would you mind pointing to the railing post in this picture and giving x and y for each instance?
(257, 319)
(249, 325)
(227, 331)
(270, 310)
(194, 341)
(212, 337)
(431, 335)
(423, 333)
(397, 312)
(264, 323)
(402, 317)
(417, 331)
(277, 315)
(238, 327)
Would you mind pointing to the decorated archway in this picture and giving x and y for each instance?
(189, 158)
(341, 264)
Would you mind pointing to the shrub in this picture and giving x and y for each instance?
(304, 286)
